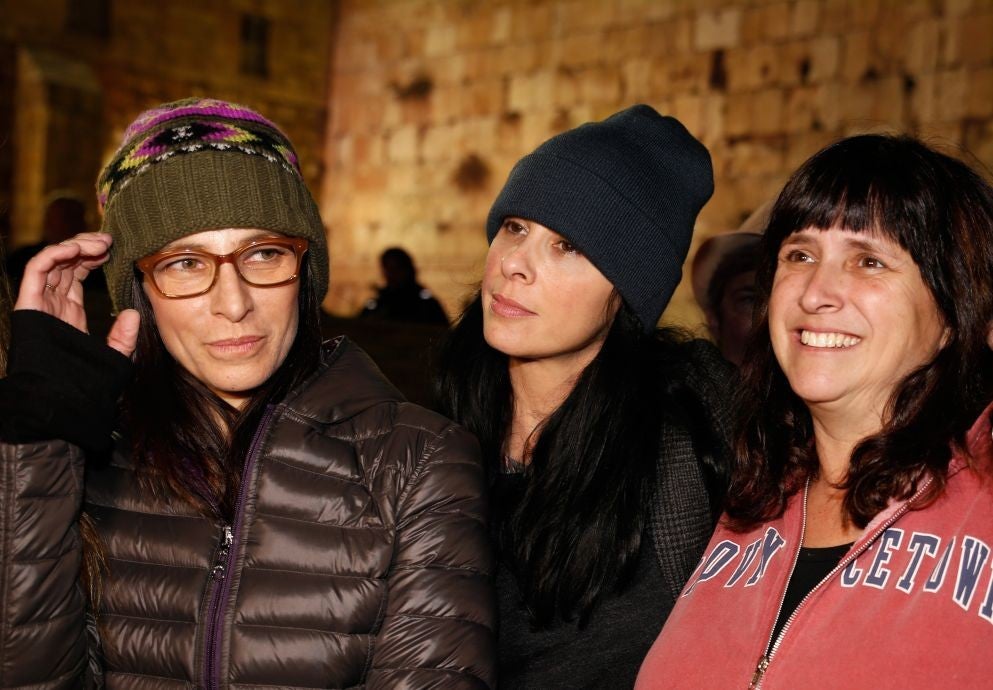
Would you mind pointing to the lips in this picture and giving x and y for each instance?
(502, 306)
(245, 344)
(828, 339)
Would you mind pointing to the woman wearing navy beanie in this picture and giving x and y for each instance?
(604, 436)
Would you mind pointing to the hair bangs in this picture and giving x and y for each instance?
(859, 184)
(891, 186)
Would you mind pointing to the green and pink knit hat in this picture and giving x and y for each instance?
(202, 164)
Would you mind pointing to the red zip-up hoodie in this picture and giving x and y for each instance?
(909, 606)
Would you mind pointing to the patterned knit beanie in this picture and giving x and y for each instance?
(196, 165)
(626, 191)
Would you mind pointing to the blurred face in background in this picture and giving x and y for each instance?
(730, 321)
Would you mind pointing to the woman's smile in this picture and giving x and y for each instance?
(828, 339)
(838, 292)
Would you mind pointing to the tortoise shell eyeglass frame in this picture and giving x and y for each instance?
(147, 264)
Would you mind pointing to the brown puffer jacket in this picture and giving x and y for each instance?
(358, 557)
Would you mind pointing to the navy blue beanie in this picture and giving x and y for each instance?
(626, 191)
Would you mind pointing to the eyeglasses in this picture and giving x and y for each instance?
(266, 262)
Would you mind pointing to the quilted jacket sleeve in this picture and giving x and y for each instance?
(42, 607)
(438, 630)
(59, 395)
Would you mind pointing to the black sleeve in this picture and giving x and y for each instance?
(61, 384)
(716, 380)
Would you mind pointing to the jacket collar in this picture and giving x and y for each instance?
(978, 443)
(978, 454)
(346, 383)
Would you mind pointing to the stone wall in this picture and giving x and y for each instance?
(139, 53)
(433, 101)
(409, 113)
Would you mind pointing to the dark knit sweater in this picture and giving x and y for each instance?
(608, 652)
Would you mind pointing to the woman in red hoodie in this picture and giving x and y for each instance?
(855, 547)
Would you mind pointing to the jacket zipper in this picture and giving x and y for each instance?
(770, 647)
(220, 582)
(212, 633)
(773, 645)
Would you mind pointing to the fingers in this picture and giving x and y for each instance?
(123, 335)
(42, 273)
(53, 272)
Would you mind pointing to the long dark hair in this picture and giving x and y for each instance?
(186, 442)
(941, 212)
(575, 528)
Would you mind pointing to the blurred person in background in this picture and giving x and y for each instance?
(604, 436)
(402, 298)
(723, 279)
(269, 512)
(65, 217)
(854, 549)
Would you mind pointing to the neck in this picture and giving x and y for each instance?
(836, 433)
(828, 523)
(539, 387)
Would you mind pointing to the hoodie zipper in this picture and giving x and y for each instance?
(220, 582)
(773, 645)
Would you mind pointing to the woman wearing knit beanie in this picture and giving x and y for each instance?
(269, 511)
(604, 437)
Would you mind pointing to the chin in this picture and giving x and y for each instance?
(515, 347)
(500, 339)
(813, 394)
(502, 347)
(239, 385)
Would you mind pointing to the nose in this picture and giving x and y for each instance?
(824, 289)
(231, 296)
(517, 263)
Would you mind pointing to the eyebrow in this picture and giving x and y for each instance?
(805, 237)
(181, 246)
